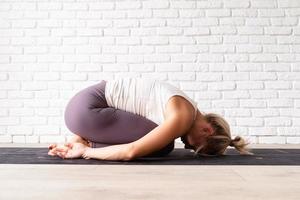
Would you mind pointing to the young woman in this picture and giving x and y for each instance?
(132, 117)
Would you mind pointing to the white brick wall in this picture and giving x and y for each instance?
(238, 58)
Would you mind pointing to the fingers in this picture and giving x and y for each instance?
(51, 146)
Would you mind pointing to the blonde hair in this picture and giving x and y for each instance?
(217, 143)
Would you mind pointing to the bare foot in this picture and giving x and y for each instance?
(81, 140)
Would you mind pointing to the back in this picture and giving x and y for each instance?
(143, 96)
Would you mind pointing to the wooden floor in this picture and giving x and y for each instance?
(90, 182)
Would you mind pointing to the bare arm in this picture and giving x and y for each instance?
(113, 152)
(178, 121)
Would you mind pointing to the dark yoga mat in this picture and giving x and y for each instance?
(176, 157)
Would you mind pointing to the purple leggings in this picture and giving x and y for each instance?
(88, 115)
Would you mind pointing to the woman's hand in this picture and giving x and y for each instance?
(69, 150)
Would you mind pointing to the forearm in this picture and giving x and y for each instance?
(114, 152)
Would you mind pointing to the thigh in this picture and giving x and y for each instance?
(88, 115)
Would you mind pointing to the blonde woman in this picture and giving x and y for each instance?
(129, 118)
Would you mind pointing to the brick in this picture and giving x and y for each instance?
(212, 95)
(47, 76)
(253, 103)
(236, 4)
(269, 112)
(250, 122)
(263, 4)
(244, 12)
(277, 67)
(128, 41)
(208, 76)
(193, 86)
(49, 6)
(272, 140)
(224, 85)
(186, 76)
(155, 4)
(209, 4)
(191, 13)
(142, 49)
(263, 76)
(248, 48)
(165, 13)
(208, 39)
(156, 58)
(195, 49)
(19, 130)
(155, 40)
(280, 103)
(236, 76)
(263, 131)
(287, 21)
(225, 103)
(116, 14)
(169, 49)
(278, 84)
(169, 31)
(30, 139)
(230, 39)
(262, 39)
(126, 23)
(270, 12)
(52, 139)
(293, 140)
(75, 6)
(250, 30)
(127, 5)
(179, 22)
(114, 49)
(232, 21)
(263, 94)
(141, 67)
(202, 22)
(278, 31)
(263, 57)
(221, 67)
(236, 94)
(257, 22)
(115, 67)
(290, 112)
(249, 85)
(218, 12)
(139, 14)
(278, 121)
(288, 76)
(183, 40)
(101, 5)
(223, 30)
(288, 4)
(222, 49)
(129, 59)
(210, 58)
(236, 58)
(238, 112)
(276, 48)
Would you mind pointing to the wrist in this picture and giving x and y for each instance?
(87, 153)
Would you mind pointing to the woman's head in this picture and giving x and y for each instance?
(210, 135)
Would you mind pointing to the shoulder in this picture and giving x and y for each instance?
(179, 107)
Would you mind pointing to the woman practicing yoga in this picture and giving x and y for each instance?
(129, 118)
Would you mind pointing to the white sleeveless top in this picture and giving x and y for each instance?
(143, 96)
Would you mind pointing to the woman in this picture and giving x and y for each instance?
(129, 118)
